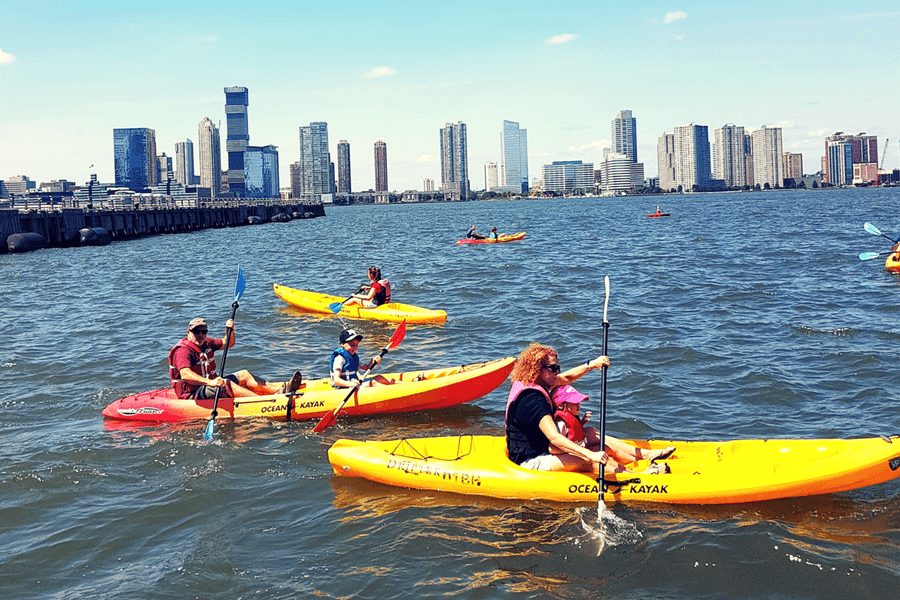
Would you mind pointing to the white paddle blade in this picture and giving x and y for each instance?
(606, 299)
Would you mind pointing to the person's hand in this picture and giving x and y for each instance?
(356, 383)
(586, 417)
(599, 457)
(229, 324)
(376, 360)
(218, 382)
(599, 362)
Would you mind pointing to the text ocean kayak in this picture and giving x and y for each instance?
(393, 312)
(415, 390)
(702, 472)
(505, 237)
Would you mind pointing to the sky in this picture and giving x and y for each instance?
(398, 71)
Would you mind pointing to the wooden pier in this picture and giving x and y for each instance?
(62, 227)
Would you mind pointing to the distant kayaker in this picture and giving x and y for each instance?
(530, 427)
(192, 368)
(659, 212)
(567, 401)
(494, 233)
(378, 291)
(474, 235)
(344, 366)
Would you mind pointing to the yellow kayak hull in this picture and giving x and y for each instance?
(702, 472)
(892, 262)
(392, 312)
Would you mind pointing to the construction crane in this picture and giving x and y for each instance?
(887, 141)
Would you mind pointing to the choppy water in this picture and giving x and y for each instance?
(742, 315)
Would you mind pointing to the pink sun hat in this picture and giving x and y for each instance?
(568, 394)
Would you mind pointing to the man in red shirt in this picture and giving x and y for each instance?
(192, 368)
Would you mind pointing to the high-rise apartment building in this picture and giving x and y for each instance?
(767, 156)
(237, 99)
(748, 158)
(343, 168)
(315, 160)
(296, 183)
(454, 161)
(134, 151)
(692, 162)
(428, 185)
(728, 159)
(665, 155)
(381, 171)
(184, 162)
(513, 175)
(261, 172)
(624, 135)
(568, 175)
(210, 156)
(792, 166)
(491, 179)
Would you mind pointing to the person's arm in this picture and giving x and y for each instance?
(576, 373)
(229, 334)
(370, 293)
(548, 428)
(188, 375)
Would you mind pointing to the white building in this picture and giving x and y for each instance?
(665, 154)
(490, 175)
(767, 157)
(428, 185)
(210, 156)
(568, 175)
(728, 156)
(619, 174)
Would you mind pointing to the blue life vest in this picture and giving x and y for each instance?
(351, 364)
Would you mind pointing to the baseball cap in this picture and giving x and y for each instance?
(196, 323)
(348, 335)
(568, 394)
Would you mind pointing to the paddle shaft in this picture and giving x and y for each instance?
(603, 405)
(330, 418)
(228, 333)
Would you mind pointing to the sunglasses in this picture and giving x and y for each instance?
(553, 367)
(200, 330)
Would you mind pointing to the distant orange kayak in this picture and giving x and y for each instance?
(503, 237)
(659, 214)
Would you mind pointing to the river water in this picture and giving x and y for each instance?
(740, 316)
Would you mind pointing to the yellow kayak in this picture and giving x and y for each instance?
(892, 262)
(702, 472)
(502, 238)
(393, 312)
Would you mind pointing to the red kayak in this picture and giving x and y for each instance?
(659, 214)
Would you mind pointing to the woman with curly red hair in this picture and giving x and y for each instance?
(530, 424)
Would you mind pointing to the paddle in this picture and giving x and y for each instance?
(330, 417)
(239, 285)
(601, 506)
(871, 255)
(875, 231)
(336, 307)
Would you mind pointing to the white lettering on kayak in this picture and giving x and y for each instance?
(145, 410)
(418, 468)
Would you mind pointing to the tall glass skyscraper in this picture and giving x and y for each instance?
(210, 156)
(184, 162)
(381, 173)
(692, 162)
(236, 101)
(514, 157)
(315, 161)
(134, 151)
(261, 172)
(343, 168)
(454, 161)
(624, 134)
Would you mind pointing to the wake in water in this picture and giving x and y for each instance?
(607, 529)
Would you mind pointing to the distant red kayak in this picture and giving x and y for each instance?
(659, 214)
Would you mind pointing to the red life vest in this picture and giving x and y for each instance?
(574, 427)
(203, 363)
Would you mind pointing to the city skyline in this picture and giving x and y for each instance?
(75, 73)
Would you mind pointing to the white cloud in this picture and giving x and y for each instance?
(6, 57)
(379, 72)
(675, 15)
(425, 158)
(679, 38)
(209, 39)
(595, 145)
(562, 38)
(784, 124)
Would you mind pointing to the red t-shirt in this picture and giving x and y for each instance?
(198, 361)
